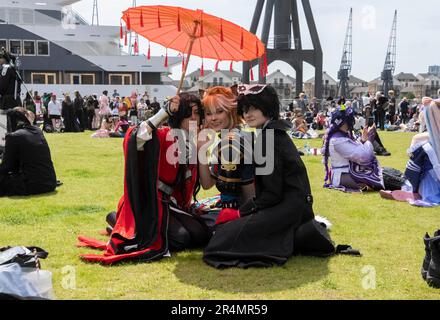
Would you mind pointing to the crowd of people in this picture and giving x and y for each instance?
(79, 113)
(309, 116)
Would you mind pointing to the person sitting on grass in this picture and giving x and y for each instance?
(26, 168)
(354, 166)
(121, 128)
(154, 213)
(423, 168)
(279, 221)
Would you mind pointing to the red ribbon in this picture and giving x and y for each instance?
(142, 20)
(158, 19)
(183, 62)
(252, 75)
(179, 28)
(242, 40)
(149, 52)
(121, 31)
(231, 66)
(221, 31)
(125, 39)
(202, 70)
(258, 49)
(216, 65)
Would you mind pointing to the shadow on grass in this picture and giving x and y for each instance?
(34, 196)
(297, 272)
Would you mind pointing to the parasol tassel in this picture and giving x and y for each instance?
(121, 31)
(183, 62)
(265, 63)
(202, 70)
(166, 60)
(258, 49)
(149, 52)
(231, 66)
(252, 75)
(142, 20)
(242, 40)
(125, 38)
(216, 65)
(136, 47)
(158, 19)
(128, 23)
(221, 31)
(179, 28)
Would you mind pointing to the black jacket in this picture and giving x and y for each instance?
(9, 86)
(27, 153)
(283, 204)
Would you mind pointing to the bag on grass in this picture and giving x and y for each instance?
(20, 274)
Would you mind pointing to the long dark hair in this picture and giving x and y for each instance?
(185, 111)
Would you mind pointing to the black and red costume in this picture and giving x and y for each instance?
(153, 195)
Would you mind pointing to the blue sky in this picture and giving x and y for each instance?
(417, 30)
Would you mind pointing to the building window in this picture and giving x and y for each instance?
(43, 48)
(220, 81)
(4, 44)
(43, 78)
(15, 47)
(120, 79)
(28, 47)
(84, 78)
(281, 81)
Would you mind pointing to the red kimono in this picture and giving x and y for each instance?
(141, 226)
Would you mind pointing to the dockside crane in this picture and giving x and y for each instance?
(390, 60)
(346, 61)
(95, 13)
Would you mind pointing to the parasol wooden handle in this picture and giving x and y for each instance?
(191, 43)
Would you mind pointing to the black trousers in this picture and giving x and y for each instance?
(185, 231)
(380, 119)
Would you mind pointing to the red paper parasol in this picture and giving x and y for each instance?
(194, 32)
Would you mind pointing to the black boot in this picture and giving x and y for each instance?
(111, 219)
(427, 239)
(433, 274)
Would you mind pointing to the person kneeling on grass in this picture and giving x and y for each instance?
(279, 221)
(27, 167)
(354, 166)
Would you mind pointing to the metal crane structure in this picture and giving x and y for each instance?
(95, 13)
(390, 60)
(286, 44)
(133, 40)
(346, 61)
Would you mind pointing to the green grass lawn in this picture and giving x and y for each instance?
(389, 235)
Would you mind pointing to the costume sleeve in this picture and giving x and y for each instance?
(353, 150)
(143, 136)
(272, 192)
(11, 156)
